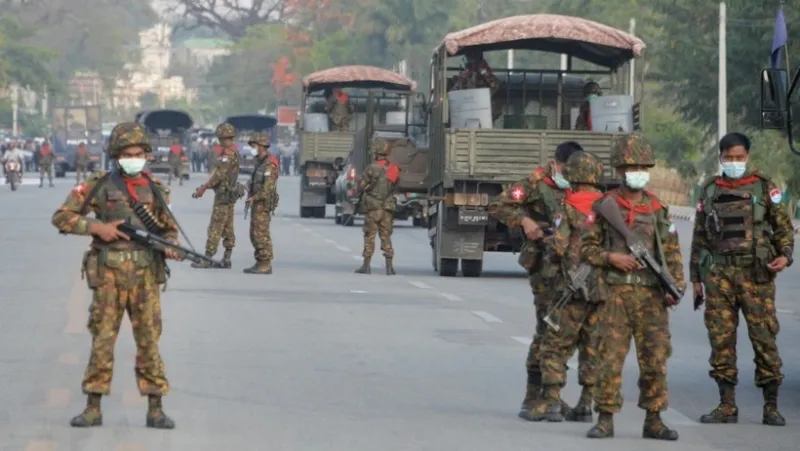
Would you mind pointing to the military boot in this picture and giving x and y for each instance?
(91, 415)
(261, 267)
(655, 428)
(365, 269)
(771, 416)
(726, 411)
(226, 258)
(533, 393)
(204, 263)
(389, 267)
(604, 428)
(550, 407)
(156, 418)
(582, 413)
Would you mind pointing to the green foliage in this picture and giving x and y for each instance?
(19, 62)
(30, 124)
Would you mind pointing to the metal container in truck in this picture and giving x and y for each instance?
(484, 140)
(167, 128)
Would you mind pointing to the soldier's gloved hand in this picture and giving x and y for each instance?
(198, 193)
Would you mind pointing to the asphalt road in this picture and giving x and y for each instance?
(316, 357)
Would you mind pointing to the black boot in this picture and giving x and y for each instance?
(365, 269)
(389, 267)
(604, 428)
(91, 415)
(582, 413)
(726, 411)
(226, 258)
(156, 418)
(655, 428)
(771, 416)
(533, 394)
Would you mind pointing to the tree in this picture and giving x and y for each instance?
(149, 101)
(19, 62)
(231, 17)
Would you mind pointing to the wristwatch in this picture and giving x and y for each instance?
(787, 252)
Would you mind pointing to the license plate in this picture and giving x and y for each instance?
(317, 182)
(473, 217)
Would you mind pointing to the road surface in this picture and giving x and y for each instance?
(316, 357)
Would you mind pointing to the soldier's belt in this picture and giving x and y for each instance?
(632, 279)
(122, 255)
(733, 260)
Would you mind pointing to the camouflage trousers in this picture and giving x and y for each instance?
(542, 300)
(46, 169)
(730, 289)
(638, 312)
(132, 289)
(578, 321)
(378, 222)
(175, 170)
(80, 173)
(259, 232)
(220, 226)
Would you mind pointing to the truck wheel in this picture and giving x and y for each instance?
(347, 220)
(305, 212)
(319, 212)
(471, 268)
(448, 267)
(419, 222)
(337, 219)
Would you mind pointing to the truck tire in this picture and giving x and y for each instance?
(305, 212)
(337, 218)
(448, 267)
(419, 222)
(471, 268)
(319, 212)
(348, 220)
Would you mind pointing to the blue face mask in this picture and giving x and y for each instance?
(560, 181)
(591, 97)
(734, 169)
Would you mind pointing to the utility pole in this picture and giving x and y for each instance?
(15, 110)
(632, 76)
(722, 111)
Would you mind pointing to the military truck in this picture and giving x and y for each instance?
(73, 125)
(167, 128)
(246, 125)
(483, 141)
(323, 152)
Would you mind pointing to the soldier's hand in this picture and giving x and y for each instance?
(670, 301)
(198, 193)
(108, 231)
(172, 254)
(623, 262)
(778, 264)
(698, 289)
(531, 229)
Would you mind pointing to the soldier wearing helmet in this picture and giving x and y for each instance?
(338, 109)
(743, 237)
(531, 205)
(641, 310)
(45, 159)
(263, 200)
(591, 91)
(122, 274)
(81, 163)
(227, 190)
(376, 200)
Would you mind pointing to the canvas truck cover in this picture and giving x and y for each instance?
(165, 125)
(77, 123)
(252, 123)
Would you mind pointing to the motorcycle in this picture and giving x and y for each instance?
(13, 174)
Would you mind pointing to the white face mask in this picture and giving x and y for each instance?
(560, 181)
(637, 180)
(132, 166)
(734, 169)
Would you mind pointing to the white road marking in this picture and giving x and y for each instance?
(358, 291)
(316, 234)
(422, 285)
(486, 316)
(305, 229)
(330, 241)
(284, 218)
(356, 257)
(343, 248)
(781, 310)
(676, 418)
(524, 340)
(451, 297)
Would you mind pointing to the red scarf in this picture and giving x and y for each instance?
(650, 207)
(582, 200)
(132, 182)
(549, 182)
(342, 97)
(589, 118)
(218, 150)
(392, 170)
(274, 161)
(733, 184)
(46, 150)
(176, 149)
(81, 149)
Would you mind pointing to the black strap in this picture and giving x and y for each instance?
(93, 193)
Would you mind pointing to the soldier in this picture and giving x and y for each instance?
(636, 303)
(263, 199)
(478, 74)
(532, 204)
(742, 238)
(591, 91)
(339, 110)
(577, 320)
(376, 197)
(81, 163)
(122, 274)
(45, 159)
(176, 154)
(227, 190)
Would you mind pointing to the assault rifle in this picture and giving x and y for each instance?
(610, 211)
(159, 243)
(577, 284)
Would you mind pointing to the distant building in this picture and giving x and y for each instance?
(200, 52)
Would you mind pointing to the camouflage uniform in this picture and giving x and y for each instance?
(578, 319)
(123, 276)
(479, 75)
(339, 112)
(636, 304)
(538, 198)
(583, 122)
(264, 196)
(376, 194)
(45, 162)
(81, 163)
(227, 190)
(740, 227)
(176, 166)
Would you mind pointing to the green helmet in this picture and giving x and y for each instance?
(259, 138)
(583, 168)
(632, 150)
(128, 134)
(225, 130)
(380, 146)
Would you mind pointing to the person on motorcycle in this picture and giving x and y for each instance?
(14, 154)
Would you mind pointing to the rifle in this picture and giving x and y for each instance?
(159, 243)
(577, 283)
(246, 207)
(610, 211)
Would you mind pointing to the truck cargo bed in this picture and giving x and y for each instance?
(325, 146)
(413, 162)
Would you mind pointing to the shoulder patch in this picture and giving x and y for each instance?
(590, 218)
(79, 189)
(517, 193)
(776, 196)
(557, 219)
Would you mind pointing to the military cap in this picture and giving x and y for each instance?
(260, 139)
(380, 146)
(225, 130)
(632, 150)
(128, 134)
(583, 167)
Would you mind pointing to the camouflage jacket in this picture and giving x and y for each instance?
(375, 189)
(264, 181)
(224, 177)
(82, 157)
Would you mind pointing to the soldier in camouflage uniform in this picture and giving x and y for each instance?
(263, 199)
(227, 190)
(743, 237)
(590, 92)
(478, 74)
(532, 204)
(339, 110)
(176, 155)
(81, 163)
(45, 158)
(123, 275)
(577, 320)
(636, 305)
(376, 197)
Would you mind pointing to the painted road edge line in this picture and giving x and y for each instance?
(486, 316)
(451, 297)
(419, 284)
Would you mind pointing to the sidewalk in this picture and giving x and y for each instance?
(687, 214)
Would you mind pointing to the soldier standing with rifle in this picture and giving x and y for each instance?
(176, 155)
(630, 238)
(81, 163)
(532, 204)
(263, 199)
(573, 319)
(44, 159)
(743, 237)
(227, 190)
